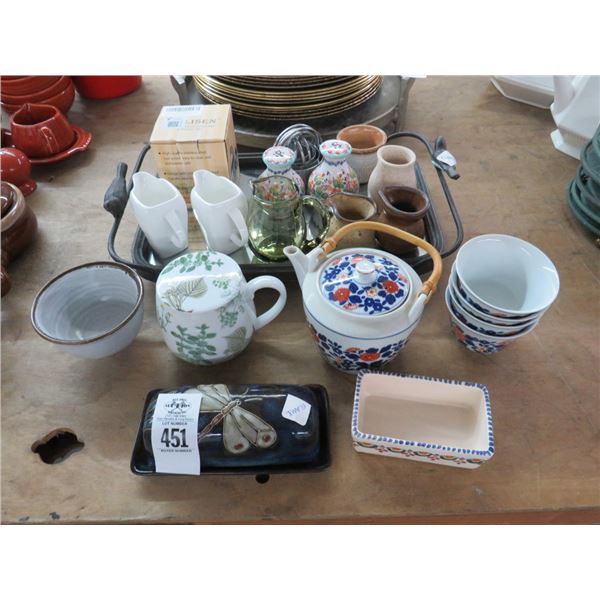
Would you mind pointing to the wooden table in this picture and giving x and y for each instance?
(545, 389)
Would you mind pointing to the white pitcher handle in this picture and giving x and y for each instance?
(179, 236)
(241, 237)
(266, 281)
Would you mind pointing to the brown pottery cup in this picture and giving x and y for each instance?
(403, 207)
(40, 130)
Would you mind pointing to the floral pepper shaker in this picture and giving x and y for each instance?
(279, 161)
(334, 174)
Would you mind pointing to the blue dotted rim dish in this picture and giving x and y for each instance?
(481, 455)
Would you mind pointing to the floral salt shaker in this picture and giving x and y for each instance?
(279, 161)
(334, 174)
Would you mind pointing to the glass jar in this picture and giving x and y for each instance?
(279, 216)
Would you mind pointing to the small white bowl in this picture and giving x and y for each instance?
(506, 277)
(460, 296)
(477, 324)
(422, 418)
(480, 342)
(92, 311)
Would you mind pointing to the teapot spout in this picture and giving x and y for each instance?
(299, 261)
(302, 263)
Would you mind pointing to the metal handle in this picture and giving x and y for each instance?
(440, 145)
(115, 201)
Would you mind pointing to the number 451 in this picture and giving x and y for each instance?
(174, 437)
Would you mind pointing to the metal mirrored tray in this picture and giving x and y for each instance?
(149, 265)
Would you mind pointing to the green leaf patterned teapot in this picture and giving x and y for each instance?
(205, 307)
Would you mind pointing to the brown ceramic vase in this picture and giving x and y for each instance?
(403, 207)
(18, 227)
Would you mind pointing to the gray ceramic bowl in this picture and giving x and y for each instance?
(92, 311)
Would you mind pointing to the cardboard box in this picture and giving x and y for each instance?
(187, 138)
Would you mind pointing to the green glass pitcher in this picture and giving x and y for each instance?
(279, 216)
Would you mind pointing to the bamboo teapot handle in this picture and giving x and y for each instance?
(430, 284)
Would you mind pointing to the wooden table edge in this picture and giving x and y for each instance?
(583, 516)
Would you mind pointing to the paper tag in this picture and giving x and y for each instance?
(175, 433)
(446, 158)
(296, 409)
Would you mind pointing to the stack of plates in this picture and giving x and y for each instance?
(288, 97)
(583, 193)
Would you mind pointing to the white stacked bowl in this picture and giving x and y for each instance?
(498, 290)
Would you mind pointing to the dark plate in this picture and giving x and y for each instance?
(290, 454)
(572, 201)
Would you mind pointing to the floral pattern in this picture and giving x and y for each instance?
(339, 283)
(476, 344)
(418, 454)
(188, 262)
(195, 347)
(355, 358)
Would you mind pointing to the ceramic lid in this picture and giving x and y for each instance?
(199, 281)
(335, 150)
(279, 157)
(365, 283)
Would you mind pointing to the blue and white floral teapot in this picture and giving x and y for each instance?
(362, 304)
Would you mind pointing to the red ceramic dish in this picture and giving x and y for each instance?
(37, 97)
(82, 141)
(104, 87)
(29, 84)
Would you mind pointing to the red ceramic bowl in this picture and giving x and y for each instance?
(37, 97)
(104, 87)
(28, 85)
(63, 101)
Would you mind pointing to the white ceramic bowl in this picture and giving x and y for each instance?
(505, 277)
(460, 298)
(422, 418)
(480, 342)
(92, 311)
(478, 325)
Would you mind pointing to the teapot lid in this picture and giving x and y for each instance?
(199, 281)
(365, 283)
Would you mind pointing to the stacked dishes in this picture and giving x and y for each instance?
(288, 97)
(583, 192)
(498, 290)
(55, 90)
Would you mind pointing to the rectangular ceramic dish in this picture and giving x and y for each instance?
(422, 418)
(298, 448)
